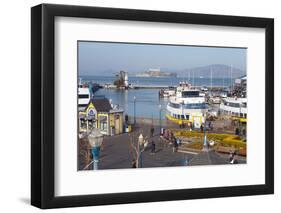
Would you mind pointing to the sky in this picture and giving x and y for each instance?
(105, 58)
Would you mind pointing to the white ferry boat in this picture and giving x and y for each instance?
(84, 96)
(188, 106)
(235, 107)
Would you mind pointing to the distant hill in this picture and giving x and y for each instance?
(218, 71)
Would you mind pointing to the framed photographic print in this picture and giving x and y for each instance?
(139, 106)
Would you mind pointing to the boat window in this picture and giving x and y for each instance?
(187, 117)
(190, 94)
(174, 105)
(182, 116)
(178, 116)
(195, 106)
(237, 105)
(83, 96)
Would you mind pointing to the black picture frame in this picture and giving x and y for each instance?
(43, 105)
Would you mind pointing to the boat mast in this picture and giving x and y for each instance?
(223, 80)
(211, 78)
(231, 78)
(193, 78)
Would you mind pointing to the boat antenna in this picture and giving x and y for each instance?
(231, 78)
(223, 79)
(193, 78)
(211, 78)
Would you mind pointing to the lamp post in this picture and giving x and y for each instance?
(95, 140)
(160, 118)
(182, 114)
(205, 143)
(134, 110)
(140, 142)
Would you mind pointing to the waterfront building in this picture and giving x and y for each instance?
(240, 87)
(122, 81)
(101, 114)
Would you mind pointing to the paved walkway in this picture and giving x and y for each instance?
(116, 151)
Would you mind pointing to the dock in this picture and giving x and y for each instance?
(144, 86)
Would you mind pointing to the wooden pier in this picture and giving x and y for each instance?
(144, 86)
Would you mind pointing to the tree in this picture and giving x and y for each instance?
(137, 147)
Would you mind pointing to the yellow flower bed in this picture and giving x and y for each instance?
(222, 139)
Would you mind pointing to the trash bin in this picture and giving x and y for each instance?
(126, 128)
(162, 131)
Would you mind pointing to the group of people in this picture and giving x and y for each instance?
(240, 132)
(169, 135)
(209, 124)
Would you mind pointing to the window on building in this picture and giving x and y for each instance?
(83, 124)
(103, 123)
(92, 124)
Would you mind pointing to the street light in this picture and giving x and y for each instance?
(134, 110)
(205, 143)
(141, 142)
(182, 115)
(95, 140)
(160, 118)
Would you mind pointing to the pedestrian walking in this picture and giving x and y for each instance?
(175, 145)
(201, 128)
(237, 131)
(153, 147)
(151, 131)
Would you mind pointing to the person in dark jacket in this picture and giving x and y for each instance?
(237, 131)
(153, 147)
(175, 145)
(201, 128)
(151, 131)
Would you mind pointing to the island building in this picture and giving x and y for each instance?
(101, 114)
(152, 72)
